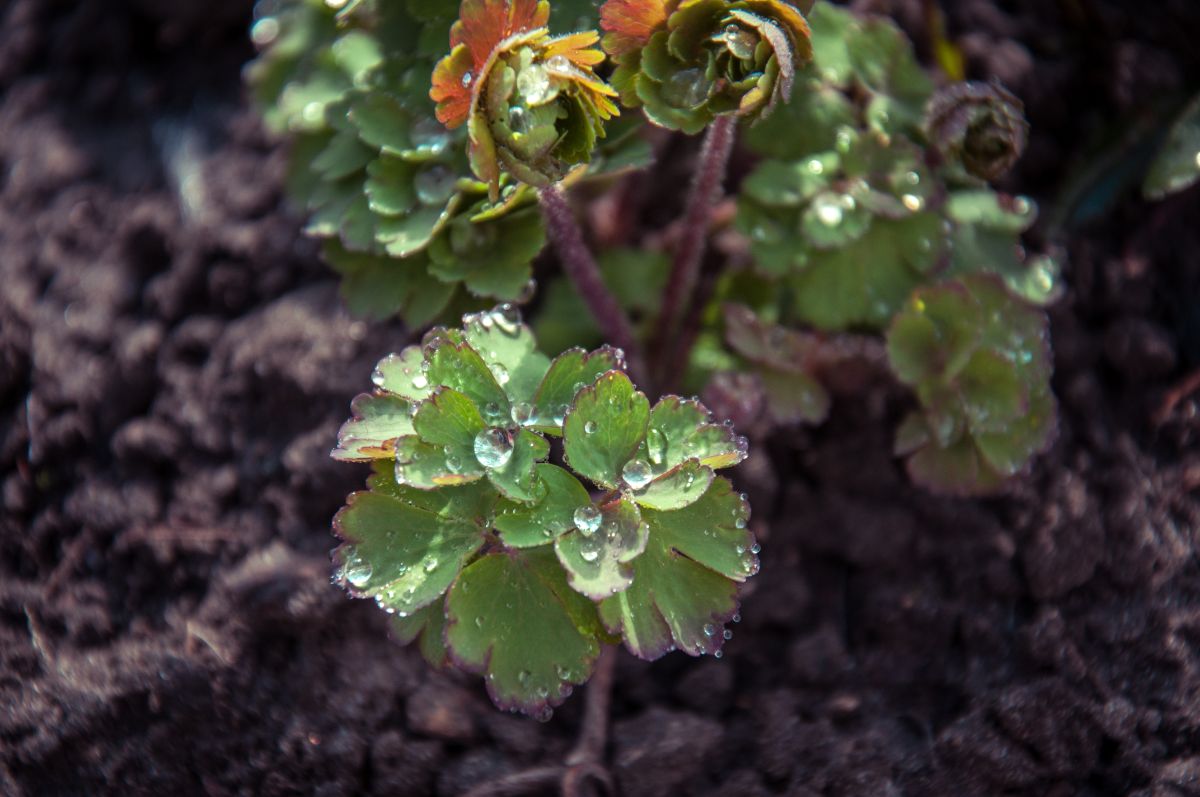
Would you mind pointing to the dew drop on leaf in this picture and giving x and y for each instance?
(815, 166)
(500, 372)
(493, 447)
(636, 473)
(508, 319)
(358, 571)
(687, 88)
(466, 79)
(522, 413)
(709, 629)
(656, 446)
(534, 85)
(589, 427)
(587, 520)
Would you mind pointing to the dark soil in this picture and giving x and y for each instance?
(174, 364)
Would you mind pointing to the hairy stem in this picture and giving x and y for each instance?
(581, 269)
(685, 268)
(594, 734)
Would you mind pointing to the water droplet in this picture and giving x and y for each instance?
(687, 88)
(740, 523)
(467, 78)
(523, 676)
(739, 41)
(717, 654)
(453, 464)
(434, 184)
(493, 448)
(429, 137)
(845, 137)
(358, 571)
(500, 372)
(912, 178)
(431, 565)
(815, 166)
(518, 122)
(265, 31)
(709, 629)
(560, 65)
(1022, 206)
(507, 318)
(535, 86)
(589, 427)
(727, 634)
(479, 622)
(913, 202)
(420, 382)
(636, 473)
(656, 446)
(755, 548)
(587, 520)
(493, 413)
(589, 554)
(522, 413)
(829, 211)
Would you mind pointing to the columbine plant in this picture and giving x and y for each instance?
(525, 515)
(507, 565)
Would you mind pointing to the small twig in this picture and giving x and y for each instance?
(594, 734)
(581, 268)
(685, 268)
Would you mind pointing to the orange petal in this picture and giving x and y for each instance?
(483, 24)
(452, 87)
(577, 48)
(631, 23)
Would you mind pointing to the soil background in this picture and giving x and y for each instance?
(174, 364)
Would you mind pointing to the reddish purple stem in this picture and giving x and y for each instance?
(685, 269)
(581, 269)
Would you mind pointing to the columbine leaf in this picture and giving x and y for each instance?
(513, 619)
(604, 427)
(451, 420)
(684, 585)
(524, 526)
(517, 479)
(402, 556)
(427, 624)
(428, 466)
(596, 559)
(682, 429)
(569, 373)
(508, 347)
(679, 487)
(1177, 166)
(375, 424)
(403, 375)
(461, 367)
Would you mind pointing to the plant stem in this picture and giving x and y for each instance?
(581, 269)
(594, 734)
(685, 268)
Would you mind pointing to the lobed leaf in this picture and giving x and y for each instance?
(513, 619)
(375, 424)
(604, 428)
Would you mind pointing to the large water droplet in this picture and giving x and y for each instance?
(358, 571)
(636, 473)
(589, 427)
(816, 167)
(500, 372)
(420, 382)
(656, 446)
(587, 520)
(518, 120)
(434, 184)
(522, 413)
(913, 202)
(828, 210)
(560, 65)
(535, 85)
(709, 629)
(493, 448)
(507, 319)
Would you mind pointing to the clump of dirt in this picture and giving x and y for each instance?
(174, 363)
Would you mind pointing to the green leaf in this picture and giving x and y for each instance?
(597, 560)
(795, 397)
(449, 419)
(517, 479)
(389, 186)
(524, 526)
(378, 286)
(992, 211)
(513, 619)
(428, 466)
(510, 350)
(401, 556)
(403, 375)
(604, 427)
(493, 258)
(343, 156)
(682, 429)
(375, 424)
(382, 122)
(679, 487)
(684, 585)
(1177, 166)
(569, 373)
(427, 624)
(459, 366)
